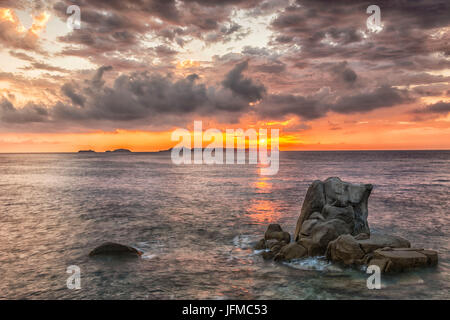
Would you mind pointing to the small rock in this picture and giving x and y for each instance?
(274, 231)
(268, 255)
(260, 245)
(291, 251)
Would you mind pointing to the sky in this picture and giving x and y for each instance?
(137, 70)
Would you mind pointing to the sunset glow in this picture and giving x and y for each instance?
(131, 84)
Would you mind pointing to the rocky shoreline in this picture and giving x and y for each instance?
(333, 223)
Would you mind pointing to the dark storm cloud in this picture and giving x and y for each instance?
(140, 97)
(317, 106)
(69, 90)
(440, 107)
(343, 72)
(242, 86)
(28, 114)
(364, 102)
(278, 106)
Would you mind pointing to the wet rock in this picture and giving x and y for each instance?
(432, 257)
(333, 222)
(314, 201)
(115, 249)
(400, 260)
(316, 215)
(313, 248)
(273, 242)
(268, 255)
(345, 214)
(275, 232)
(277, 247)
(307, 227)
(381, 263)
(291, 251)
(327, 231)
(260, 245)
(378, 241)
(362, 236)
(334, 197)
(345, 249)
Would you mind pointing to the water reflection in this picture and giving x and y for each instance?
(264, 211)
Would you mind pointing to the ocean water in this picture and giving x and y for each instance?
(196, 225)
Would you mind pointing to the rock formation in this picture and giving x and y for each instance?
(115, 249)
(333, 222)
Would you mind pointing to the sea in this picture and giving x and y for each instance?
(196, 225)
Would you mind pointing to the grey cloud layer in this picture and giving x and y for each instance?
(141, 96)
(321, 58)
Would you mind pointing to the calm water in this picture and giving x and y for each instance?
(196, 225)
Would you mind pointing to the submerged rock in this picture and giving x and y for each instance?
(116, 249)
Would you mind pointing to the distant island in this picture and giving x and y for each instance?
(120, 151)
(86, 151)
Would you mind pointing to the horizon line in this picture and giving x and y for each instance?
(167, 150)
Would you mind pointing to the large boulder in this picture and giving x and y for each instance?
(115, 249)
(334, 197)
(345, 249)
(378, 241)
(333, 222)
(317, 234)
(314, 201)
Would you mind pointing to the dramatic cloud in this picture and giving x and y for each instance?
(166, 62)
(140, 97)
(364, 102)
(438, 108)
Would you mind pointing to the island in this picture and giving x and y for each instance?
(120, 151)
(86, 151)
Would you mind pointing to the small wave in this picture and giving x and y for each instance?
(243, 241)
(148, 256)
(313, 263)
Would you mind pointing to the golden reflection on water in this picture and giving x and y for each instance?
(263, 210)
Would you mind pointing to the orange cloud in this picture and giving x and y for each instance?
(14, 34)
